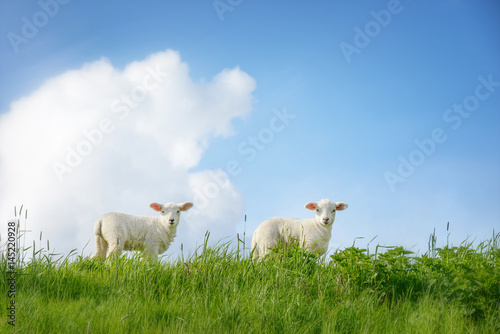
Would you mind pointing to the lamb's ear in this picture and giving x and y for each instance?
(155, 206)
(186, 206)
(341, 206)
(311, 205)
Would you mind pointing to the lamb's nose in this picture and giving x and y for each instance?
(326, 219)
(171, 221)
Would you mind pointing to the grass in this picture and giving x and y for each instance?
(448, 290)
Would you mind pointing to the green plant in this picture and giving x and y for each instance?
(218, 289)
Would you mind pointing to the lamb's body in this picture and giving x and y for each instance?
(311, 234)
(305, 232)
(116, 232)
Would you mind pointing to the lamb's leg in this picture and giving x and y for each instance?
(114, 248)
(150, 252)
(255, 252)
(101, 247)
(265, 248)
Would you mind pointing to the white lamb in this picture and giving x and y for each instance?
(116, 232)
(312, 234)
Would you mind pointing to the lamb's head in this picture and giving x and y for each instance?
(325, 210)
(171, 212)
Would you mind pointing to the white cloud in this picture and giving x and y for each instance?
(100, 139)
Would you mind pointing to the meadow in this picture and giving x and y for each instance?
(220, 289)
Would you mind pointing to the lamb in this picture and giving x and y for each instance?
(312, 234)
(116, 232)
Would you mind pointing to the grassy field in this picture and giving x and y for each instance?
(447, 290)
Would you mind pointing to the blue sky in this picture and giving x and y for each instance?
(356, 115)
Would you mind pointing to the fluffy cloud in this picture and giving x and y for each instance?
(101, 139)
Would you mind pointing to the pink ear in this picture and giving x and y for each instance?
(186, 206)
(341, 206)
(311, 206)
(155, 206)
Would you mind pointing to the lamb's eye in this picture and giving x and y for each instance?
(178, 211)
(163, 212)
(317, 210)
(333, 210)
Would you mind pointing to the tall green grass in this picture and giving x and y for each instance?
(219, 290)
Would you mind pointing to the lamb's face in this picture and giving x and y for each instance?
(326, 210)
(171, 212)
